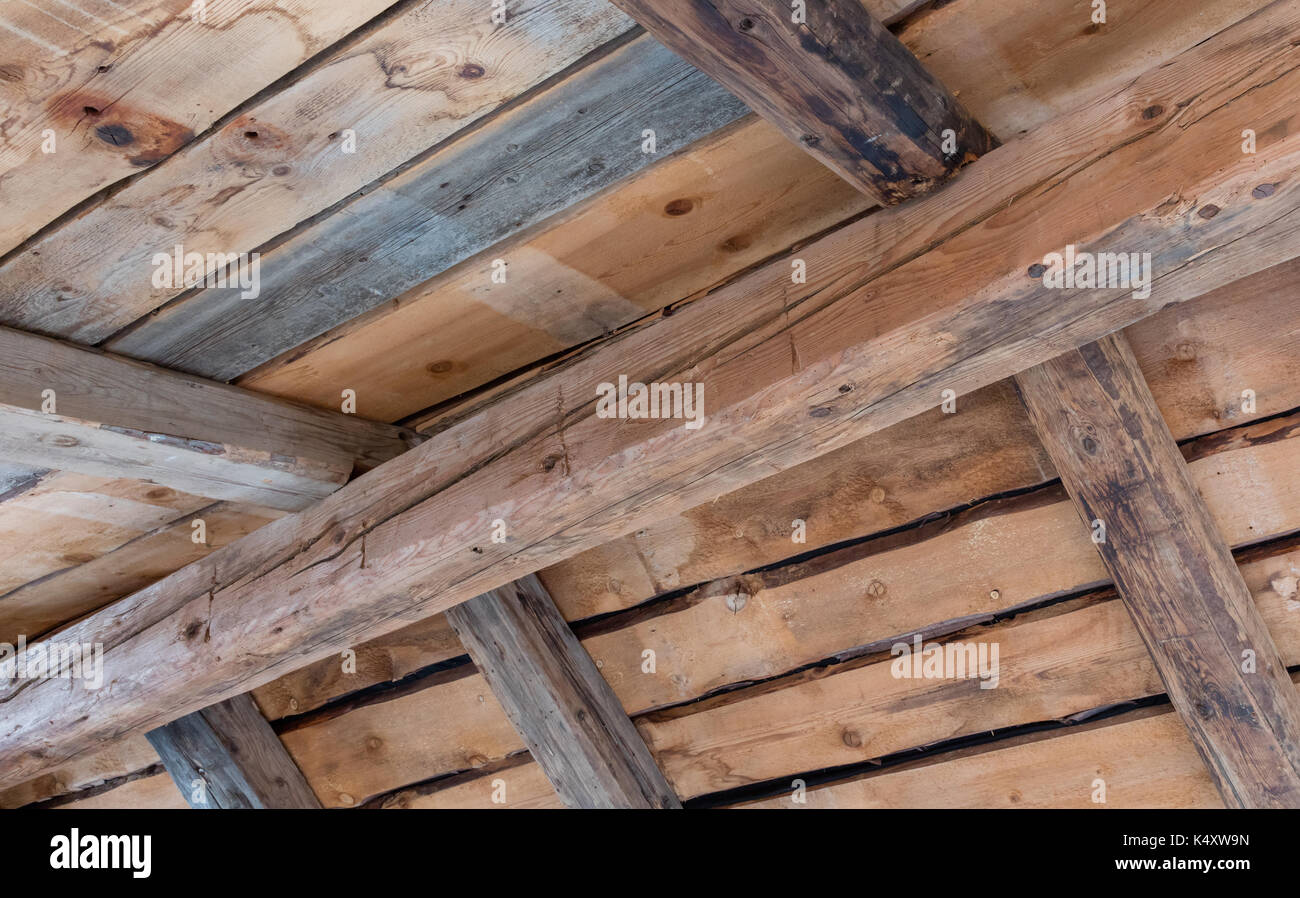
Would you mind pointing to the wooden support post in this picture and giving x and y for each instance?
(839, 83)
(1103, 431)
(568, 716)
(227, 756)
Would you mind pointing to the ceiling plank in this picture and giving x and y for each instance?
(839, 83)
(698, 218)
(91, 99)
(789, 371)
(572, 722)
(227, 756)
(75, 409)
(554, 149)
(422, 75)
(1173, 568)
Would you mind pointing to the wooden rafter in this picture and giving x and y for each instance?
(573, 723)
(790, 377)
(227, 756)
(1175, 572)
(834, 79)
(68, 408)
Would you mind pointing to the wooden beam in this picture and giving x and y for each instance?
(227, 756)
(946, 300)
(572, 722)
(75, 409)
(1122, 468)
(839, 83)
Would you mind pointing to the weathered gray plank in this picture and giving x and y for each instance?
(1172, 567)
(227, 756)
(572, 722)
(555, 150)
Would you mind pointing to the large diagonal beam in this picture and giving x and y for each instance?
(75, 409)
(570, 719)
(932, 296)
(1173, 569)
(832, 78)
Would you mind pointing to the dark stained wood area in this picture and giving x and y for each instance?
(838, 82)
(1172, 567)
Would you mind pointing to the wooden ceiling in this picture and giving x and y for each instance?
(386, 159)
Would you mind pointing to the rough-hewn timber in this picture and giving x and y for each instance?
(1098, 421)
(790, 376)
(227, 756)
(572, 722)
(838, 82)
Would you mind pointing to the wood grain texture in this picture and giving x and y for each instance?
(233, 753)
(1144, 760)
(62, 520)
(765, 626)
(955, 572)
(549, 687)
(89, 572)
(838, 83)
(545, 155)
(154, 791)
(121, 86)
(1098, 421)
(557, 148)
(421, 76)
(412, 538)
(114, 417)
(690, 222)
(1068, 661)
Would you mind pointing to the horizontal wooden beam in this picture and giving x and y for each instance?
(68, 408)
(832, 78)
(949, 299)
(1173, 569)
(572, 722)
(227, 756)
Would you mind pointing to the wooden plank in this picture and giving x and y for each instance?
(1144, 761)
(687, 223)
(1098, 421)
(1050, 670)
(63, 519)
(560, 146)
(417, 78)
(839, 83)
(118, 87)
(155, 791)
(81, 410)
(572, 722)
(690, 222)
(854, 601)
(88, 572)
(109, 763)
(227, 756)
(414, 538)
(1052, 667)
(802, 614)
